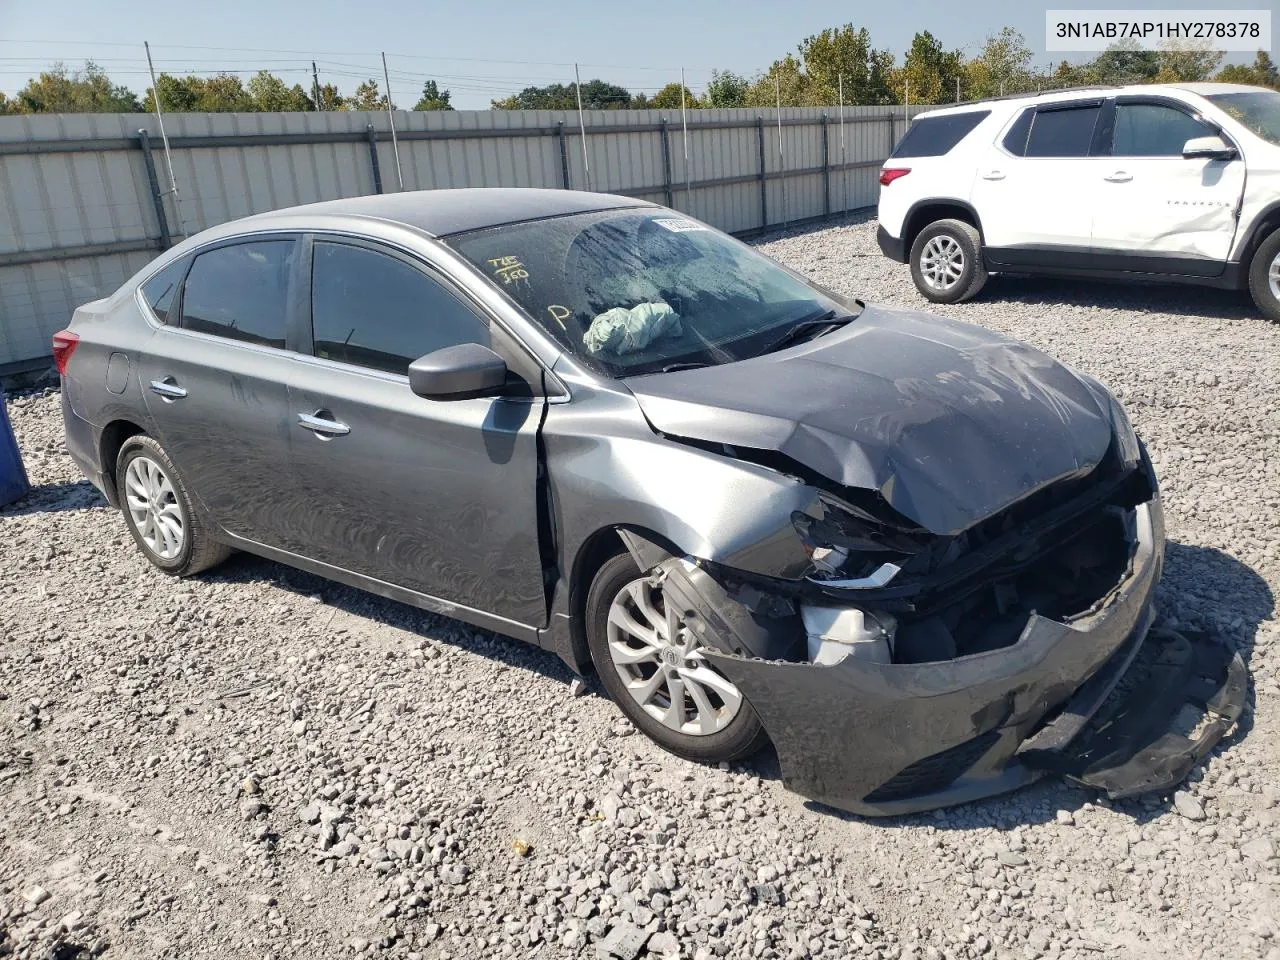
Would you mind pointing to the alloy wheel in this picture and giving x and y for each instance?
(1273, 277)
(662, 665)
(942, 262)
(153, 507)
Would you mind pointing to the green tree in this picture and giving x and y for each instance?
(1125, 62)
(368, 97)
(1070, 75)
(221, 93)
(330, 98)
(6, 105)
(1002, 66)
(844, 54)
(270, 94)
(433, 98)
(85, 91)
(596, 95)
(1261, 73)
(668, 98)
(928, 73)
(726, 89)
(785, 80)
(1187, 63)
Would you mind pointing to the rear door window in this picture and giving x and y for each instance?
(1066, 132)
(936, 136)
(1154, 130)
(241, 291)
(376, 310)
(161, 291)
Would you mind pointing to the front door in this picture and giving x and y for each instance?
(435, 496)
(1154, 210)
(214, 379)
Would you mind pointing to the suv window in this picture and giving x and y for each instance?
(240, 291)
(1015, 141)
(1154, 130)
(935, 136)
(160, 290)
(374, 310)
(1065, 132)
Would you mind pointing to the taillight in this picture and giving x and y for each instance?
(64, 344)
(890, 174)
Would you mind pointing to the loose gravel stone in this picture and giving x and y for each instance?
(394, 755)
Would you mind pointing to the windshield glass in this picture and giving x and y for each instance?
(1259, 110)
(639, 291)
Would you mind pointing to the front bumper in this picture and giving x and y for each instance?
(883, 739)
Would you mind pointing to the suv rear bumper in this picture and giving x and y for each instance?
(890, 246)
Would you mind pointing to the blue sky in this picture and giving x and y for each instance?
(483, 49)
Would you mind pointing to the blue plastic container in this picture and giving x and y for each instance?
(13, 475)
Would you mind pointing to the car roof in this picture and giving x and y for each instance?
(1016, 101)
(440, 213)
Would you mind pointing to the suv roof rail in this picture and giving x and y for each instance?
(1037, 93)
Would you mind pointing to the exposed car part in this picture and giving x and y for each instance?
(838, 632)
(678, 699)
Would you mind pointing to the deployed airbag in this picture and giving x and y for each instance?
(629, 329)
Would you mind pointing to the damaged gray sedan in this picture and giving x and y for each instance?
(915, 555)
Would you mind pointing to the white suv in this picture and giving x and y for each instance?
(1175, 183)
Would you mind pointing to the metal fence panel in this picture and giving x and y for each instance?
(79, 212)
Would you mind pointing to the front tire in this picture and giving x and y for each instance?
(1264, 276)
(946, 262)
(158, 511)
(656, 674)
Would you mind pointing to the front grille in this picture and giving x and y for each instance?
(933, 773)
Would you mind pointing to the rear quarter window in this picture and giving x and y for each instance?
(162, 289)
(936, 136)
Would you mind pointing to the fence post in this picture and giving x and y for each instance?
(666, 163)
(564, 156)
(826, 170)
(373, 158)
(144, 141)
(764, 192)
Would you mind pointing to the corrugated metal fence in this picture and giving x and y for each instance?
(84, 204)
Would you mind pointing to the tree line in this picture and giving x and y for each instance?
(840, 64)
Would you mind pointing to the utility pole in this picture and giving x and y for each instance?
(395, 144)
(684, 136)
(582, 125)
(168, 156)
(315, 79)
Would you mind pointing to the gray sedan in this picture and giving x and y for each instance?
(913, 554)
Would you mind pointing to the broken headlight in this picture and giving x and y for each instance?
(847, 543)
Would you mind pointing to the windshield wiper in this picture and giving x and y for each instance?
(684, 365)
(825, 321)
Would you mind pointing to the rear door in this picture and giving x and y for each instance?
(1155, 210)
(437, 496)
(1034, 186)
(214, 377)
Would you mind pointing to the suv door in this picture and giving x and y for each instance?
(437, 496)
(1154, 210)
(214, 377)
(1032, 189)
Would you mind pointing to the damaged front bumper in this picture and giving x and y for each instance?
(891, 738)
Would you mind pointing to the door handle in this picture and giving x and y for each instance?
(321, 424)
(1119, 177)
(993, 175)
(168, 389)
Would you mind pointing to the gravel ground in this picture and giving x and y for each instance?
(259, 763)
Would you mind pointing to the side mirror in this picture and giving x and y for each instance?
(457, 373)
(1208, 148)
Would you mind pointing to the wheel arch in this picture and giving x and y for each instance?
(1264, 224)
(114, 435)
(924, 212)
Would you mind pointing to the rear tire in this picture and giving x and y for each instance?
(946, 262)
(733, 730)
(1264, 276)
(158, 511)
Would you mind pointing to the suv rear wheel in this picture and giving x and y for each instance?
(1264, 276)
(946, 261)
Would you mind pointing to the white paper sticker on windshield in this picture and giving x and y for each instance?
(679, 224)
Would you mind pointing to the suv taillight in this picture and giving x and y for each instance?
(64, 344)
(890, 174)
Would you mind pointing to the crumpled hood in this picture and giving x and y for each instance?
(951, 423)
